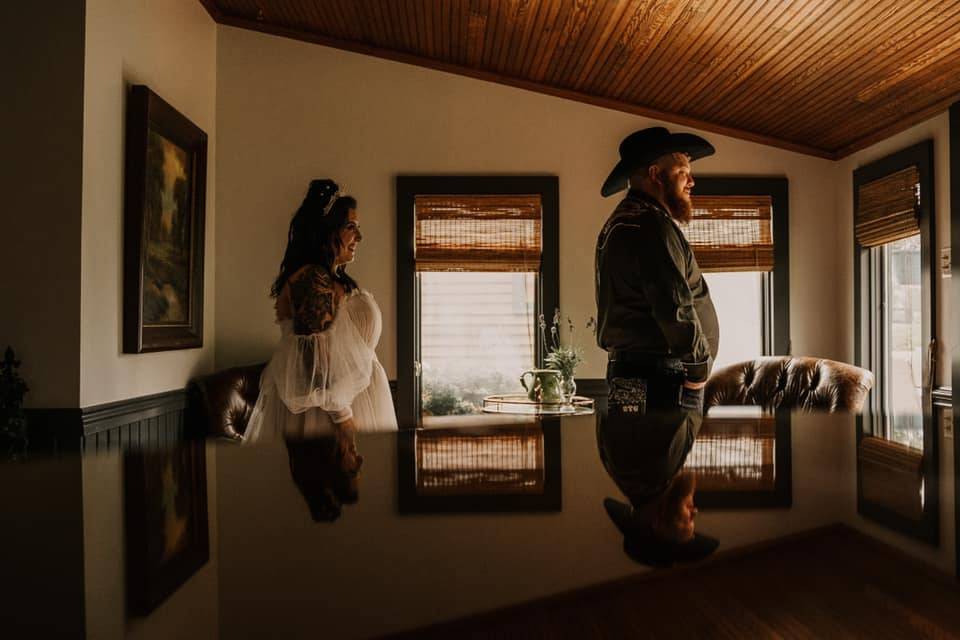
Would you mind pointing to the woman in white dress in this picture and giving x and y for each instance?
(324, 377)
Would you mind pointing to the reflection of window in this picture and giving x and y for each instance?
(507, 460)
(504, 467)
(739, 236)
(734, 454)
(891, 474)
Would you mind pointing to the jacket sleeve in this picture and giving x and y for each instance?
(660, 262)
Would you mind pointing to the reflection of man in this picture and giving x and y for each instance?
(644, 454)
(655, 317)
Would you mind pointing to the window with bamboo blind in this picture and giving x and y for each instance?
(739, 234)
(893, 225)
(477, 256)
(732, 232)
(478, 232)
(888, 208)
(477, 260)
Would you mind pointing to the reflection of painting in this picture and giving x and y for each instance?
(165, 494)
(166, 264)
(163, 227)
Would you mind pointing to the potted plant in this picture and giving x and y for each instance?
(13, 419)
(562, 357)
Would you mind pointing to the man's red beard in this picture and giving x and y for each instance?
(679, 206)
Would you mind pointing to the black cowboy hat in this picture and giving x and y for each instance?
(645, 547)
(643, 147)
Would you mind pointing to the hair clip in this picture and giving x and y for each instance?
(331, 201)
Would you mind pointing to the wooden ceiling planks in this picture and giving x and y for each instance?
(894, 105)
(803, 72)
(823, 77)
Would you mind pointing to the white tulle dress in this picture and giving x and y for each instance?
(313, 381)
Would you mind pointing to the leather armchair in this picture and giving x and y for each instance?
(808, 384)
(219, 405)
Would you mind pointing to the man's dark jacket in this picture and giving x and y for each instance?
(651, 297)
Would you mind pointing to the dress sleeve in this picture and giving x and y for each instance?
(326, 362)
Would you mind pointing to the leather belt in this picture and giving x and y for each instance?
(637, 358)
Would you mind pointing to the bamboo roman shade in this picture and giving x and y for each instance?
(477, 232)
(888, 209)
(732, 233)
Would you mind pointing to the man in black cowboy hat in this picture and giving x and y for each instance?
(658, 325)
(655, 317)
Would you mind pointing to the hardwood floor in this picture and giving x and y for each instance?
(834, 583)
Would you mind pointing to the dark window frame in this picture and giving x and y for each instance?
(955, 304)
(548, 286)
(776, 331)
(866, 351)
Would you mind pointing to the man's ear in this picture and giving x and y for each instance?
(654, 174)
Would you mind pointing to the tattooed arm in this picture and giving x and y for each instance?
(313, 299)
(313, 296)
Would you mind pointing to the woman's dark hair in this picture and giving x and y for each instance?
(314, 238)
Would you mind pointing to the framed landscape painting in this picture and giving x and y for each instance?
(164, 196)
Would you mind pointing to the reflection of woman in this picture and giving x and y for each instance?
(325, 470)
(324, 376)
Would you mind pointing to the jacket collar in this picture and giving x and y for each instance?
(639, 196)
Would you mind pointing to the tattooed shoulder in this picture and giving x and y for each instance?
(312, 295)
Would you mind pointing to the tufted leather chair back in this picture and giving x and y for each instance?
(220, 404)
(809, 384)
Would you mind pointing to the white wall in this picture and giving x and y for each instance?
(289, 111)
(169, 45)
(937, 129)
(42, 141)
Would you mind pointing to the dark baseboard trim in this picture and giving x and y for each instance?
(943, 397)
(145, 420)
(103, 417)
